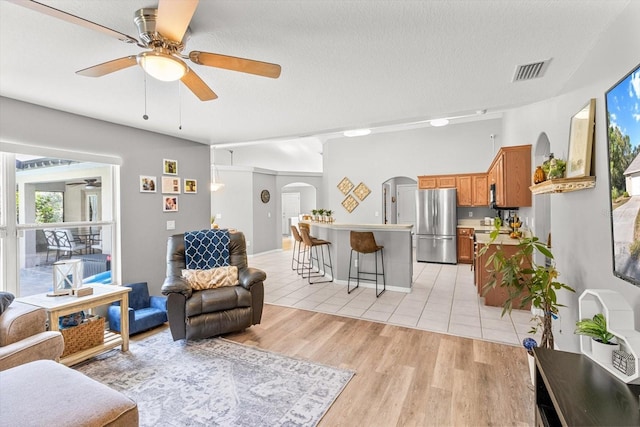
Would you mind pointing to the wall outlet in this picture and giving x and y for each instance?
(470, 214)
(171, 225)
(355, 263)
(377, 213)
(219, 216)
(248, 243)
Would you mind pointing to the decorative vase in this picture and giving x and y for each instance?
(603, 353)
(538, 175)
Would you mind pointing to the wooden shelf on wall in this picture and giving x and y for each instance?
(564, 185)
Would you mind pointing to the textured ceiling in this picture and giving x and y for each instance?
(345, 64)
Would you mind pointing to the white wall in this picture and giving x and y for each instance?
(240, 207)
(143, 224)
(580, 223)
(373, 159)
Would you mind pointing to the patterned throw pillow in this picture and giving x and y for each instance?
(212, 278)
(206, 249)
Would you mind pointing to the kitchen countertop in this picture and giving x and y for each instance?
(502, 239)
(478, 225)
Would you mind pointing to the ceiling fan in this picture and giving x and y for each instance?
(163, 32)
(89, 183)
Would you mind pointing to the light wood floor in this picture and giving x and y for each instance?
(404, 377)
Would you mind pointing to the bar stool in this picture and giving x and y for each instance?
(363, 242)
(311, 243)
(297, 243)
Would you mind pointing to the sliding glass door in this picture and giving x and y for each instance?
(64, 207)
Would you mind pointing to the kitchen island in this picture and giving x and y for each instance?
(497, 296)
(398, 251)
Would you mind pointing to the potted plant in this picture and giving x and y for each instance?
(329, 214)
(321, 215)
(526, 282)
(314, 212)
(602, 341)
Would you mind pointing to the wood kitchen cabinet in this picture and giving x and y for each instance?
(497, 296)
(472, 189)
(465, 245)
(511, 174)
(426, 182)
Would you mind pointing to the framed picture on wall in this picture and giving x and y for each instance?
(190, 185)
(147, 184)
(581, 141)
(170, 203)
(170, 185)
(170, 167)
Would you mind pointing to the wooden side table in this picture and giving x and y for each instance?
(63, 305)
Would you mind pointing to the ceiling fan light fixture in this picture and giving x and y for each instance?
(162, 66)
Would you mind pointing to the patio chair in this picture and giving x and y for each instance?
(68, 243)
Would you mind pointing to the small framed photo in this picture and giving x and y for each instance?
(190, 185)
(170, 185)
(147, 184)
(170, 167)
(170, 203)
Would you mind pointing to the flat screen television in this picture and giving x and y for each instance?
(623, 141)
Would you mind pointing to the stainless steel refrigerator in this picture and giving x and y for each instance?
(436, 222)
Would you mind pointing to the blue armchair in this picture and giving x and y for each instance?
(145, 312)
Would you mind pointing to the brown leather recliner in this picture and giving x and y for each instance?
(195, 314)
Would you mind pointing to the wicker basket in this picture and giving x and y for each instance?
(86, 335)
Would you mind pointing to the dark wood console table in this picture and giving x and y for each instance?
(573, 390)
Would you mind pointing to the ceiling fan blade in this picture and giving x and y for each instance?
(109, 67)
(198, 86)
(233, 63)
(174, 17)
(56, 13)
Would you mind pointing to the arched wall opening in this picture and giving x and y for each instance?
(541, 222)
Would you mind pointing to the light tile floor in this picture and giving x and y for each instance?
(443, 299)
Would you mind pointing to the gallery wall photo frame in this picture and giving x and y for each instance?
(190, 186)
(148, 184)
(169, 167)
(581, 135)
(170, 203)
(170, 185)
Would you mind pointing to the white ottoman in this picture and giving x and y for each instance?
(46, 393)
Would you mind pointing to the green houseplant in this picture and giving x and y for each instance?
(526, 282)
(595, 328)
(329, 214)
(602, 341)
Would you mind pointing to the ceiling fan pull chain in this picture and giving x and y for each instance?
(179, 107)
(145, 97)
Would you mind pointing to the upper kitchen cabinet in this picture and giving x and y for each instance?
(426, 182)
(511, 174)
(473, 189)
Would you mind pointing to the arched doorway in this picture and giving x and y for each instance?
(297, 198)
(399, 201)
(541, 224)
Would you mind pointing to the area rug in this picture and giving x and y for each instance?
(216, 382)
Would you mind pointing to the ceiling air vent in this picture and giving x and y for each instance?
(530, 71)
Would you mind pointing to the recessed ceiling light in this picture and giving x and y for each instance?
(357, 132)
(439, 122)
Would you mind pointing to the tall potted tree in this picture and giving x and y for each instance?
(526, 281)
